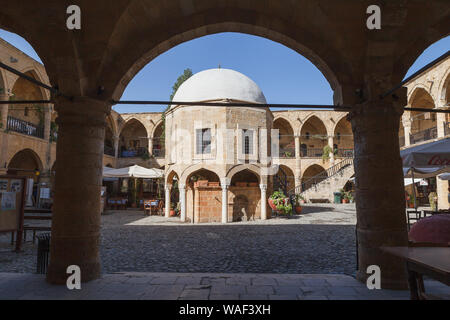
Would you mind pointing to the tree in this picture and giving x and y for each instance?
(187, 73)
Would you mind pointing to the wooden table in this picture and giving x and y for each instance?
(431, 261)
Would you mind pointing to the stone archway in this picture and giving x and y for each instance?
(343, 139)
(26, 163)
(313, 137)
(101, 58)
(158, 141)
(286, 138)
(133, 139)
(244, 196)
(313, 175)
(423, 124)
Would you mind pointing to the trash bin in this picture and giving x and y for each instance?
(43, 253)
(337, 197)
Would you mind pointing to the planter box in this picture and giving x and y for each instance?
(213, 184)
(201, 183)
(241, 184)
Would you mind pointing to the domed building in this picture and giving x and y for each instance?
(219, 155)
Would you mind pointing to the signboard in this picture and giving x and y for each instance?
(12, 203)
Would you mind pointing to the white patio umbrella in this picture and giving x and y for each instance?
(134, 172)
(426, 159)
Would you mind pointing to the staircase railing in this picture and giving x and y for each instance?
(330, 172)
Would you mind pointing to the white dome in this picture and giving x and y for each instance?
(219, 84)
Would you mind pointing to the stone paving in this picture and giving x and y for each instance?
(322, 240)
(195, 286)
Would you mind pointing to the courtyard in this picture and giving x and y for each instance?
(319, 241)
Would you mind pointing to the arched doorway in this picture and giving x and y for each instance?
(284, 179)
(203, 197)
(313, 175)
(133, 140)
(285, 138)
(313, 138)
(158, 149)
(343, 139)
(26, 119)
(423, 124)
(26, 163)
(245, 196)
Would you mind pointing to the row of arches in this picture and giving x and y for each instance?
(419, 126)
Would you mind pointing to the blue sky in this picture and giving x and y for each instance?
(284, 75)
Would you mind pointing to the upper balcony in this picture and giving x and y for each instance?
(24, 127)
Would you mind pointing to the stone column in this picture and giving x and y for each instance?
(168, 187)
(407, 130)
(297, 147)
(298, 164)
(263, 188)
(150, 146)
(331, 144)
(4, 111)
(76, 209)
(182, 189)
(47, 122)
(116, 146)
(440, 123)
(225, 183)
(442, 193)
(380, 197)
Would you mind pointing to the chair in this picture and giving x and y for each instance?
(413, 215)
(147, 206)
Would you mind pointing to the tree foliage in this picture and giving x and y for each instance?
(187, 73)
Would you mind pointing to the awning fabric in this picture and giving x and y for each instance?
(424, 172)
(445, 176)
(433, 154)
(134, 172)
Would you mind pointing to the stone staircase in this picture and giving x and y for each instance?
(321, 187)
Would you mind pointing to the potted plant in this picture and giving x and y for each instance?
(433, 198)
(297, 203)
(345, 197)
(280, 203)
(172, 210)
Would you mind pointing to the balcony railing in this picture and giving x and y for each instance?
(287, 153)
(24, 127)
(424, 135)
(109, 151)
(311, 152)
(447, 128)
(345, 153)
(133, 153)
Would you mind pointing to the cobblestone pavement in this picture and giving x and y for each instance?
(195, 286)
(321, 240)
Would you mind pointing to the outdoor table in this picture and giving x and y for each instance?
(430, 261)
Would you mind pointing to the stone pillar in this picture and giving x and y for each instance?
(380, 197)
(182, 189)
(297, 147)
(168, 187)
(116, 146)
(4, 111)
(407, 130)
(76, 209)
(225, 183)
(298, 164)
(263, 188)
(442, 193)
(47, 122)
(440, 123)
(150, 146)
(331, 144)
